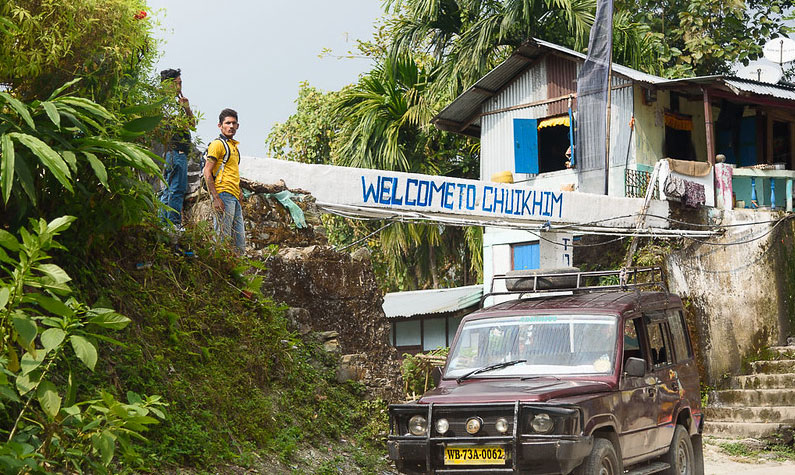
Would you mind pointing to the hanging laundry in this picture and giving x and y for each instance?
(694, 194)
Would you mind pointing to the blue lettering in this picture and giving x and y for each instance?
(472, 192)
(557, 199)
(408, 192)
(386, 187)
(486, 190)
(500, 200)
(395, 199)
(538, 202)
(517, 210)
(422, 196)
(368, 191)
(461, 188)
(527, 196)
(447, 199)
(508, 207)
(547, 203)
(440, 189)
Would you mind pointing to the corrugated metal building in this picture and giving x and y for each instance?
(520, 112)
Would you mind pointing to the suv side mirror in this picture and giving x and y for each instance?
(635, 367)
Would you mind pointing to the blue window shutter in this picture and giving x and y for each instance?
(525, 145)
(526, 256)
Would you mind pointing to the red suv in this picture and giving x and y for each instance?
(597, 381)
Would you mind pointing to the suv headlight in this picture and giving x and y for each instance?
(542, 423)
(418, 425)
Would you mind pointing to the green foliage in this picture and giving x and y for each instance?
(64, 154)
(44, 44)
(242, 385)
(307, 134)
(416, 371)
(43, 420)
(772, 451)
(467, 38)
(684, 38)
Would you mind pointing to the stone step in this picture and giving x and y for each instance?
(773, 367)
(776, 414)
(753, 397)
(742, 429)
(763, 381)
(784, 350)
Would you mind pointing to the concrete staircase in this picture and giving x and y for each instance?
(758, 404)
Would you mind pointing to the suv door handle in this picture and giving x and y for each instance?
(651, 391)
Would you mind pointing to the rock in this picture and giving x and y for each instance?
(353, 359)
(332, 346)
(361, 255)
(753, 444)
(326, 336)
(296, 316)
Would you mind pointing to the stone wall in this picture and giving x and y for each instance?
(331, 294)
(740, 292)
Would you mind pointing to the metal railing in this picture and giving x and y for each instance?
(629, 278)
(636, 182)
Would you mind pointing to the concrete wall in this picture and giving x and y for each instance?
(741, 294)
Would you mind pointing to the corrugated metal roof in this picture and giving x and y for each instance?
(762, 89)
(423, 302)
(630, 73)
(461, 115)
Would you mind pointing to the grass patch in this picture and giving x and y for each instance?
(772, 452)
(241, 383)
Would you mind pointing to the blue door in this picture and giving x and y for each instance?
(745, 154)
(525, 145)
(526, 256)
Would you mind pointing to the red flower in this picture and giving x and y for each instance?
(140, 15)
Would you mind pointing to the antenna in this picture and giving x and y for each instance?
(760, 72)
(779, 50)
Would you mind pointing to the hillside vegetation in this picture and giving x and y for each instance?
(239, 388)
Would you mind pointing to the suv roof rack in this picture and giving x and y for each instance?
(540, 281)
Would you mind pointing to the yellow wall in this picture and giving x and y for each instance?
(650, 126)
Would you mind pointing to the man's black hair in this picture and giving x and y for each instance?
(227, 113)
(167, 74)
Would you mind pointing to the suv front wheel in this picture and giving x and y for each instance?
(680, 454)
(601, 461)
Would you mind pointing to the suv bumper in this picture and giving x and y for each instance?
(547, 456)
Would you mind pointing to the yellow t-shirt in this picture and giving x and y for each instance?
(228, 179)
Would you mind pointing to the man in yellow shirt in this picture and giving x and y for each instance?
(222, 175)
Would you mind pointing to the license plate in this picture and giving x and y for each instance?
(474, 455)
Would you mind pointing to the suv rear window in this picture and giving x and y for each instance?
(548, 344)
(681, 344)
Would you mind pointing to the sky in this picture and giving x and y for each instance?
(251, 55)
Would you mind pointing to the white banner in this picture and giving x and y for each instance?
(446, 197)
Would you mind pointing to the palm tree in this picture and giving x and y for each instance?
(386, 117)
(386, 125)
(469, 37)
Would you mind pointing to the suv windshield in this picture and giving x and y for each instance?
(547, 345)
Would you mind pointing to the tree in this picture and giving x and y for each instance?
(69, 153)
(386, 125)
(46, 44)
(468, 38)
(306, 136)
(701, 37)
(386, 118)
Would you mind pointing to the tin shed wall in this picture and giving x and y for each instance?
(496, 141)
(561, 81)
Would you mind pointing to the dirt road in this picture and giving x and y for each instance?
(717, 462)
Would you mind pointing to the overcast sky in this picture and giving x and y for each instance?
(251, 55)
